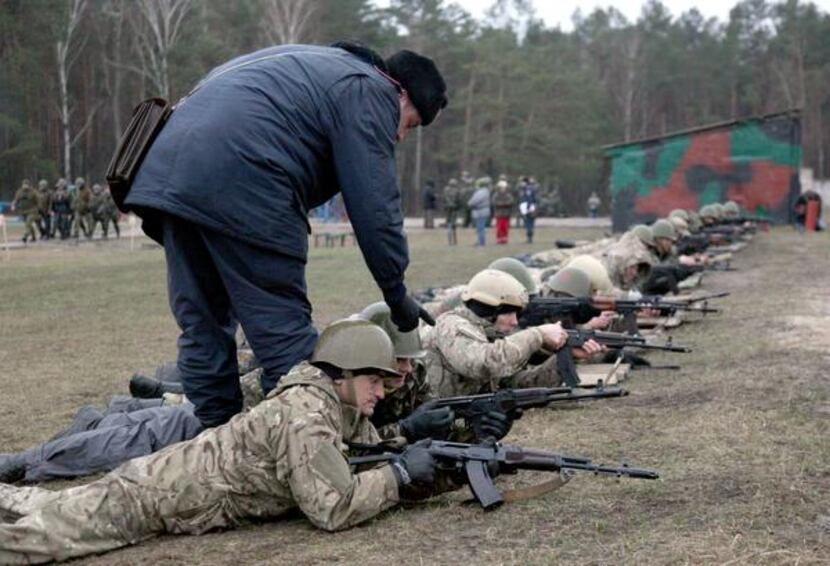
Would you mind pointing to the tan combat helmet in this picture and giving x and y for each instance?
(596, 272)
(680, 225)
(572, 282)
(679, 212)
(79, 182)
(517, 269)
(664, 229)
(495, 288)
(644, 234)
(42, 185)
(406, 344)
(717, 208)
(350, 345)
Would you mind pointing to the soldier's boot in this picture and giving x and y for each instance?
(143, 387)
(12, 467)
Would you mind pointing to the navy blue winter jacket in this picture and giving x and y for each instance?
(272, 134)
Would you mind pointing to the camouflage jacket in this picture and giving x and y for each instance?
(82, 200)
(287, 452)
(621, 255)
(461, 360)
(26, 201)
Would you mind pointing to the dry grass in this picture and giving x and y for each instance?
(740, 434)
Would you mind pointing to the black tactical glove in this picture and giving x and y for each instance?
(427, 423)
(415, 465)
(495, 424)
(406, 312)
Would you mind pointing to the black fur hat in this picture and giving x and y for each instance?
(422, 81)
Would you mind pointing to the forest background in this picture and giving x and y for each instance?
(525, 99)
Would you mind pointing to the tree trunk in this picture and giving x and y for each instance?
(416, 178)
(63, 86)
(468, 119)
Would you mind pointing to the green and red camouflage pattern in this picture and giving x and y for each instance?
(754, 162)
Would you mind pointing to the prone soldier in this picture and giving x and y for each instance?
(284, 454)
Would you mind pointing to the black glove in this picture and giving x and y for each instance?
(405, 314)
(427, 423)
(415, 465)
(495, 424)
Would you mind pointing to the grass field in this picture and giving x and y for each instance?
(741, 435)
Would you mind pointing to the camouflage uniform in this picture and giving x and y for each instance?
(103, 210)
(462, 360)
(636, 246)
(26, 203)
(559, 256)
(81, 208)
(45, 210)
(287, 452)
(621, 255)
(452, 203)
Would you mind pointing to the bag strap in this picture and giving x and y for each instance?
(210, 77)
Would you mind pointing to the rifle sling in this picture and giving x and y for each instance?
(534, 491)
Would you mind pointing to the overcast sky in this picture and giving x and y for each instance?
(559, 12)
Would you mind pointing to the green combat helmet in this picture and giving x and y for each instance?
(644, 234)
(664, 229)
(572, 282)
(350, 345)
(42, 184)
(406, 344)
(695, 223)
(596, 272)
(707, 212)
(80, 182)
(517, 269)
(717, 209)
(679, 212)
(495, 288)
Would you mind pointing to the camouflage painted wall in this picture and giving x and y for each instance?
(754, 162)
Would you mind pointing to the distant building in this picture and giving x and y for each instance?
(753, 161)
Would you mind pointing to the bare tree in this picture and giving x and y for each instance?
(156, 28)
(288, 21)
(68, 47)
(115, 12)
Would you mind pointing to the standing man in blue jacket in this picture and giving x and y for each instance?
(227, 185)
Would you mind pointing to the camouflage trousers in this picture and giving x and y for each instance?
(31, 220)
(545, 374)
(82, 222)
(58, 525)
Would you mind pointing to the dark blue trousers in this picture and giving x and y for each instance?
(111, 441)
(216, 281)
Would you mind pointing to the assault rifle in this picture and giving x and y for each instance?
(613, 340)
(481, 462)
(543, 309)
(472, 408)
